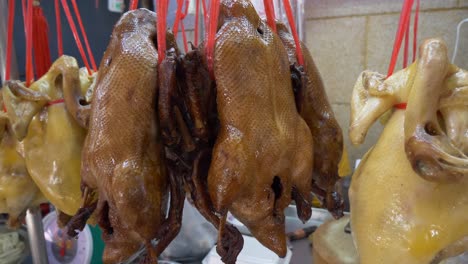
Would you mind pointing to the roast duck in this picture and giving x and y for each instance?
(314, 108)
(237, 139)
(125, 180)
(241, 139)
(409, 199)
(17, 189)
(51, 138)
(256, 155)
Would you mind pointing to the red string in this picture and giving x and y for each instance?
(205, 14)
(29, 46)
(133, 4)
(404, 19)
(42, 59)
(58, 101)
(403, 29)
(401, 106)
(415, 30)
(96, 4)
(197, 16)
(405, 50)
(178, 17)
(85, 36)
(270, 14)
(75, 34)
(58, 23)
(289, 14)
(184, 37)
(161, 28)
(11, 16)
(210, 43)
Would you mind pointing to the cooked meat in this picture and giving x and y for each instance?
(397, 215)
(314, 108)
(18, 191)
(123, 158)
(262, 157)
(52, 138)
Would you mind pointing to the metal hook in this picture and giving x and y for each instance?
(455, 49)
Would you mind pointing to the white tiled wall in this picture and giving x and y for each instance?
(346, 37)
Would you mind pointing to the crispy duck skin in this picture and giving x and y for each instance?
(315, 109)
(123, 157)
(262, 156)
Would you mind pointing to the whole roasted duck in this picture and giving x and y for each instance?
(409, 199)
(262, 155)
(123, 160)
(52, 139)
(314, 108)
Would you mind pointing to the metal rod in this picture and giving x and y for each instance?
(36, 236)
(300, 21)
(3, 40)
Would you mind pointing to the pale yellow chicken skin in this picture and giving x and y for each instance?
(52, 138)
(17, 189)
(398, 214)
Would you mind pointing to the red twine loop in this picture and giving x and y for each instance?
(83, 34)
(180, 18)
(58, 101)
(75, 34)
(401, 106)
(289, 14)
(403, 31)
(29, 44)
(402, 26)
(161, 28)
(210, 43)
(270, 14)
(42, 61)
(133, 4)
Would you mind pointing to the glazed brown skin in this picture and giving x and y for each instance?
(317, 112)
(123, 155)
(263, 149)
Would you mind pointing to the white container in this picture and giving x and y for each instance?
(61, 250)
(116, 6)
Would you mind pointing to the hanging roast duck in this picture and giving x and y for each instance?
(314, 108)
(123, 160)
(262, 153)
